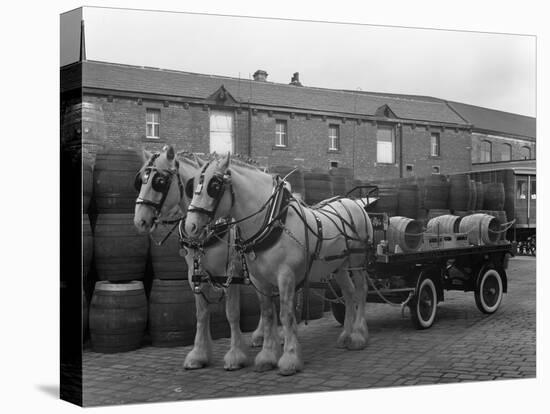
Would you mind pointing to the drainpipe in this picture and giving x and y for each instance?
(400, 128)
(249, 131)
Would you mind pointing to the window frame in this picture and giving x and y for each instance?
(483, 151)
(436, 135)
(152, 123)
(278, 134)
(525, 147)
(506, 149)
(334, 140)
(392, 129)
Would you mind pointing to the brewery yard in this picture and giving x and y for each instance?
(462, 345)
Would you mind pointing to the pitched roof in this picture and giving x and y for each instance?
(193, 85)
(491, 120)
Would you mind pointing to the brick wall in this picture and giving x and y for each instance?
(498, 143)
(187, 128)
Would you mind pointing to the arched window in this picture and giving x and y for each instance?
(485, 151)
(505, 152)
(525, 153)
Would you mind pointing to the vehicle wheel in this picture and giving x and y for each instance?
(424, 304)
(339, 312)
(488, 293)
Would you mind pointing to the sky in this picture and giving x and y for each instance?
(491, 70)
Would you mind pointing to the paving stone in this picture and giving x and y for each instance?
(463, 345)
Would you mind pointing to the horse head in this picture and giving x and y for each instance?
(161, 185)
(210, 198)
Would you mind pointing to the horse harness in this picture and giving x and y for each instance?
(161, 180)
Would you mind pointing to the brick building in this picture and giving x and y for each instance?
(378, 135)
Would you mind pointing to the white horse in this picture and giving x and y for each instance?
(315, 242)
(161, 183)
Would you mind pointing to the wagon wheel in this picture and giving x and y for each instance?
(488, 292)
(424, 304)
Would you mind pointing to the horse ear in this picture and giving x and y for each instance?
(225, 160)
(170, 153)
(200, 162)
(146, 155)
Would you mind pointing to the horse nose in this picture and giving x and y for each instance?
(142, 223)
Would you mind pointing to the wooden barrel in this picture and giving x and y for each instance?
(493, 196)
(408, 200)
(473, 195)
(316, 304)
(433, 192)
(387, 201)
(444, 224)
(436, 213)
(84, 122)
(118, 316)
(405, 233)
(165, 259)
(502, 218)
(342, 180)
(114, 174)
(482, 229)
(464, 213)
(318, 187)
(120, 251)
(340, 185)
(87, 185)
(87, 245)
(459, 192)
(479, 196)
(296, 179)
(250, 308)
(172, 320)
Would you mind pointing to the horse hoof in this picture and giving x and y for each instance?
(235, 359)
(343, 340)
(195, 360)
(265, 361)
(356, 342)
(289, 364)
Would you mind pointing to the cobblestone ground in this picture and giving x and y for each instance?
(462, 345)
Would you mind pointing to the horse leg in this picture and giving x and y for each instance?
(291, 360)
(201, 354)
(346, 285)
(258, 334)
(359, 333)
(236, 357)
(268, 356)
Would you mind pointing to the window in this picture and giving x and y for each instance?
(436, 169)
(280, 133)
(334, 164)
(521, 189)
(434, 145)
(505, 152)
(525, 153)
(334, 137)
(385, 145)
(485, 151)
(533, 188)
(153, 123)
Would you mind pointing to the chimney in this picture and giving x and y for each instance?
(295, 80)
(260, 75)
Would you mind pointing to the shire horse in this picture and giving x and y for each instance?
(286, 244)
(161, 183)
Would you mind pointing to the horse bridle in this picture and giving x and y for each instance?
(161, 181)
(215, 190)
